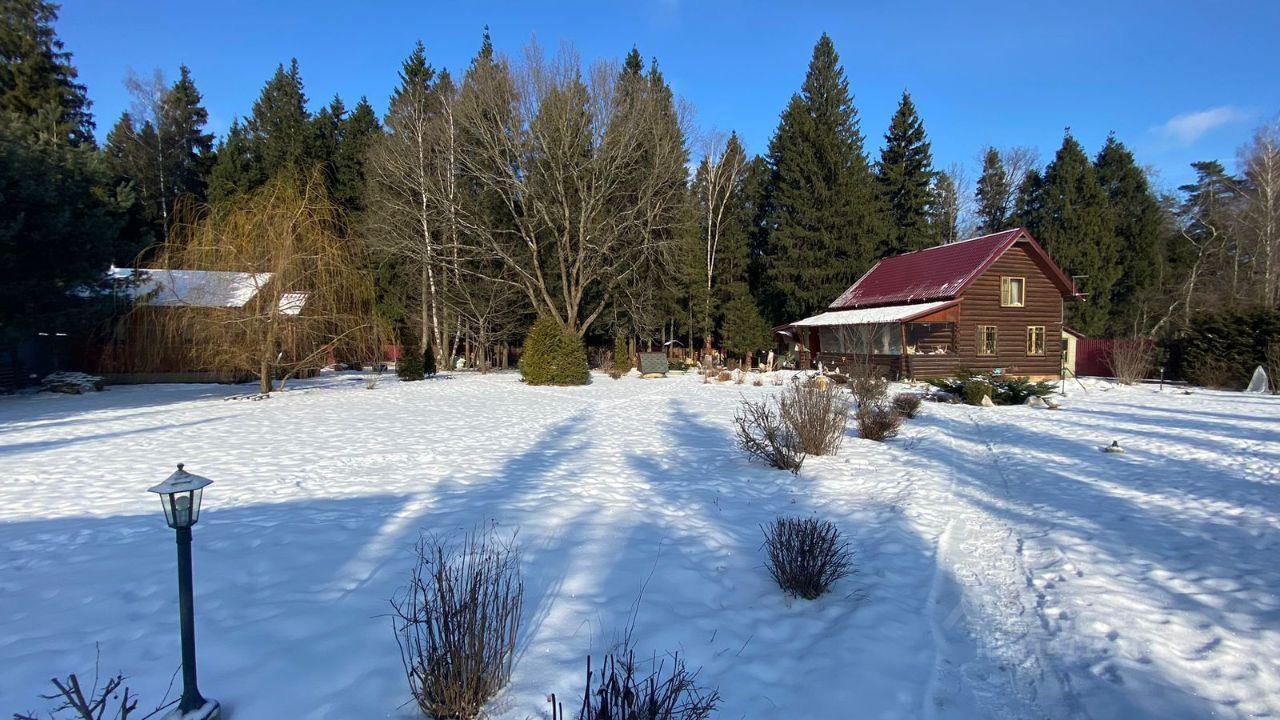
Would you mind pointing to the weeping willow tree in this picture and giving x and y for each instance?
(309, 299)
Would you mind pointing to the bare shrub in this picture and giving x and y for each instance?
(1131, 359)
(762, 432)
(878, 422)
(868, 389)
(621, 690)
(725, 376)
(110, 700)
(456, 622)
(806, 556)
(907, 404)
(371, 380)
(757, 381)
(817, 416)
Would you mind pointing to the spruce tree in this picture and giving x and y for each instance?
(944, 210)
(621, 356)
(189, 158)
(822, 205)
(905, 174)
(238, 167)
(280, 127)
(37, 80)
(744, 329)
(993, 194)
(358, 132)
(1071, 218)
(1139, 229)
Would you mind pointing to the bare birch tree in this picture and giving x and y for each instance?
(720, 175)
(1260, 162)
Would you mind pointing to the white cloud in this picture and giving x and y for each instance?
(1187, 128)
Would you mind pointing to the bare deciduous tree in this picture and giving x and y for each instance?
(588, 172)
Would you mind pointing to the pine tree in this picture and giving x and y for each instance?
(1071, 218)
(822, 206)
(37, 80)
(905, 174)
(1139, 229)
(993, 194)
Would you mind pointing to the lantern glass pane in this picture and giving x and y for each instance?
(182, 509)
(195, 505)
(166, 502)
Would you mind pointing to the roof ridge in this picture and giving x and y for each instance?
(958, 242)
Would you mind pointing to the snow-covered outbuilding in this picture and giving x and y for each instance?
(993, 302)
(139, 350)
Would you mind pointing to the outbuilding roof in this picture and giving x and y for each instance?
(190, 288)
(943, 272)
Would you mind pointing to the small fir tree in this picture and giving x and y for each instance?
(409, 367)
(429, 360)
(621, 356)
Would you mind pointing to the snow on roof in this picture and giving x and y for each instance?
(192, 288)
(291, 303)
(875, 315)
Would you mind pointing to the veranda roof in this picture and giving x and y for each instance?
(875, 315)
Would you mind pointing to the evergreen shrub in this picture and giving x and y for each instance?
(553, 355)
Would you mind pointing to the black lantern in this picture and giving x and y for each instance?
(180, 498)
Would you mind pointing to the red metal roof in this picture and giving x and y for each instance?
(940, 273)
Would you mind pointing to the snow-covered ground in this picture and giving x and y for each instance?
(1007, 568)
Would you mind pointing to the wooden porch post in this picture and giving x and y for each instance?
(906, 361)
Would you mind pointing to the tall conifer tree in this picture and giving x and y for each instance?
(1139, 229)
(1071, 218)
(905, 173)
(37, 80)
(823, 207)
(993, 194)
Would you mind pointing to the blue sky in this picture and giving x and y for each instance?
(1177, 81)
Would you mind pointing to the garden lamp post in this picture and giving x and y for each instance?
(180, 497)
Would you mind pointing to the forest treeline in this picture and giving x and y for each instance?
(482, 197)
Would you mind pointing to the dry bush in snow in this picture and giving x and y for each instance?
(1131, 359)
(623, 690)
(457, 620)
(816, 415)
(763, 433)
(806, 556)
(878, 422)
(907, 404)
(110, 700)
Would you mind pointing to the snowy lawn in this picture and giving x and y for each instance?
(1007, 568)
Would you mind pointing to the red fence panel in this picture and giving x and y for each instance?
(1093, 357)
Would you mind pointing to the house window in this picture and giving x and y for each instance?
(986, 339)
(1013, 292)
(1035, 339)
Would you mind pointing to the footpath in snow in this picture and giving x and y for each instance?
(1007, 568)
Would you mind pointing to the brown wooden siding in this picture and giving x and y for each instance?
(981, 306)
